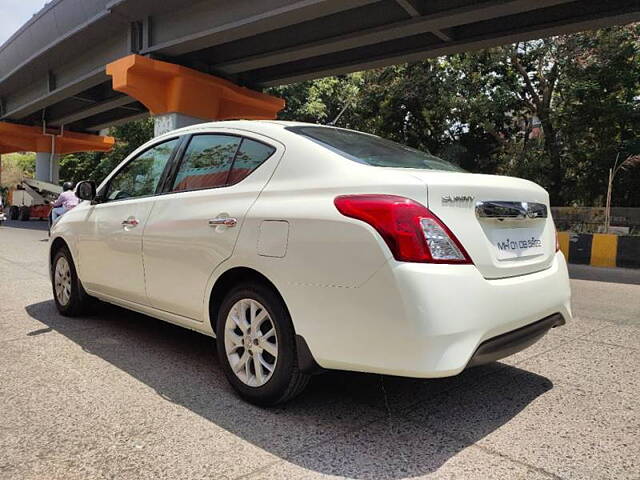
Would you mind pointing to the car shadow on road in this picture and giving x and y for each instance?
(346, 424)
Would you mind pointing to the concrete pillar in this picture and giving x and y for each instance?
(171, 121)
(45, 172)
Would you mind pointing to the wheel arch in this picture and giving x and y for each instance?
(230, 278)
(237, 275)
(56, 244)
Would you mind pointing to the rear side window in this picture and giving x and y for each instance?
(206, 162)
(212, 161)
(250, 155)
(373, 150)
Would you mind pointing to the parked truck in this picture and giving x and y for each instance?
(31, 199)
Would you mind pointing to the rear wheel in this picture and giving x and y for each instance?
(68, 293)
(25, 214)
(256, 345)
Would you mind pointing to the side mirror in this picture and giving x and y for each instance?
(86, 190)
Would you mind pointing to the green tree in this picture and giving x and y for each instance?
(555, 111)
(16, 166)
(599, 112)
(97, 165)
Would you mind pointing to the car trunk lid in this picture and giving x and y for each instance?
(504, 223)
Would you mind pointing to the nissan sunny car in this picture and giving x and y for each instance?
(302, 248)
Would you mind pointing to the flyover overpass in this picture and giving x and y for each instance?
(53, 70)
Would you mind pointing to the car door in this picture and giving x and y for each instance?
(193, 227)
(110, 251)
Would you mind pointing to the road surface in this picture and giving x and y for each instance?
(120, 395)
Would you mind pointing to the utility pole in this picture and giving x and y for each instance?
(607, 211)
(633, 160)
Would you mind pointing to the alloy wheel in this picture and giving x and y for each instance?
(62, 281)
(250, 342)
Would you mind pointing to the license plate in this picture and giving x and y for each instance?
(517, 243)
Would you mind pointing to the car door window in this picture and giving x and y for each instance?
(140, 177)
(251, 154)
(206, 162)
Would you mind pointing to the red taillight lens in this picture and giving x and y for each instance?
(412, 232)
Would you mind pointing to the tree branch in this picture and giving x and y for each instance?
(523, 96)
(525, 76)
(550, 86)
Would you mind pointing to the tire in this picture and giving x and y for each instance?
(14, 212)
(75, 301)
(285, 381)
(25, 214)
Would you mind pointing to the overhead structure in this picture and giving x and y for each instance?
(54, 67)
(49, 144)
(168, 88)
(21, 138)
(179, 95)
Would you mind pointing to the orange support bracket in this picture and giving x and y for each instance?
(168, 88)
(21, 138)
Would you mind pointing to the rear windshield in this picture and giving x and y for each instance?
(372, 150)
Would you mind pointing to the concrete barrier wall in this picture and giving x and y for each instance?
(591, 219)
(601, 250)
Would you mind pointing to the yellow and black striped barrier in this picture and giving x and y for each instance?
(600, 249)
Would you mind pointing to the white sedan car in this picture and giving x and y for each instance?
(302, 247)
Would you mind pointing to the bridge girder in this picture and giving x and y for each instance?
(54, 68)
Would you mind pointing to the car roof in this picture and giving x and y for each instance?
(245, 124)
(264, 127)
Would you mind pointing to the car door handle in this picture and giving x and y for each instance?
(226, 221)
(130, 222)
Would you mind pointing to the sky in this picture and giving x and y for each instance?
(14, 13)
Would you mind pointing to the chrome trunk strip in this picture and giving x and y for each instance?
(511, 210)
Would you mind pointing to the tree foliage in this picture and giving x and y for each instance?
(97, 165)
(15, 167)
(556, 111)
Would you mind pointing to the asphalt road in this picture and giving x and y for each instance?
(122, 396)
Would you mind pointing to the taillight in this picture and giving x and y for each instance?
(412, 232)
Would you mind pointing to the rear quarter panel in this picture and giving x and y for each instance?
(323, 247)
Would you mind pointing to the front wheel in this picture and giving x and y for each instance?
(256, 345)
(68, 293)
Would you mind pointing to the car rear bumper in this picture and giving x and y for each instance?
(424, 320)
(515, 341)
